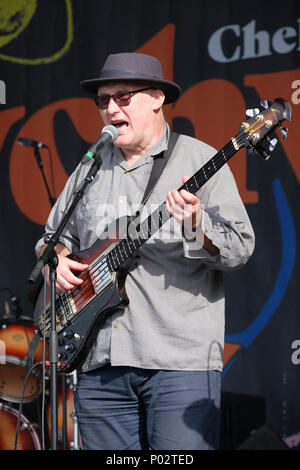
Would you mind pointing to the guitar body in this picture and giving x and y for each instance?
(77, 329)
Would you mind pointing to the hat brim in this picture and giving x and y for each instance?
(171, 90)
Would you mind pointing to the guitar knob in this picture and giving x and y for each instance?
(70, 347)
(265, 104)
(284, 132)
(68, 334)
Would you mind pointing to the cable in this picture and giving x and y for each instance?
(21, 402)
(43, 363)
(8, 289)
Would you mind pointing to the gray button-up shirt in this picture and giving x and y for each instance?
(175, 317)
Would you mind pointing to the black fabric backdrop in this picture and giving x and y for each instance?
(227, 56)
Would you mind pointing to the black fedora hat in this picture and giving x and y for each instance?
(133, 66)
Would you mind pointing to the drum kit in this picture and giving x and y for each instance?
(16, 336)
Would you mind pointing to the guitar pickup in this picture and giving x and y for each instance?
(100, 274)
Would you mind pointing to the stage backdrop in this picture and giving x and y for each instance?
(227, 57)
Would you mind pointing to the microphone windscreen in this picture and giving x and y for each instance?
(112, 130)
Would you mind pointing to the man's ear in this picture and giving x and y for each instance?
(159, 98)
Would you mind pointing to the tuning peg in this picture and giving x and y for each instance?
(265, 155)
(265, 104)
(284, 131)
(273, 144)
(252, 112)
(263, 152)
(251, 150)
(259, 150)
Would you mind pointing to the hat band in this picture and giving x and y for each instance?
(114, 73)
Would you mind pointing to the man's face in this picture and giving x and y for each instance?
(136, 122)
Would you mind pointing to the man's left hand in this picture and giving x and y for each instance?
(184, 206)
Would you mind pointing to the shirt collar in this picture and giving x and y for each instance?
(160, 146)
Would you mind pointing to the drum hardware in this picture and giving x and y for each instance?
(75, 444)
(29, 435)
(15, 340)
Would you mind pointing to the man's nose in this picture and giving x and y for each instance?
(112, 106)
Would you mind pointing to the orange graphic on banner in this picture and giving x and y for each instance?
(214, 107)
(230, 349)
(25, 178)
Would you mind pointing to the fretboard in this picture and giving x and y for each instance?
(140, 232)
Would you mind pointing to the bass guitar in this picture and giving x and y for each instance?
(81, 311)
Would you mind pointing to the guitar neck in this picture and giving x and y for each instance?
(140, 232)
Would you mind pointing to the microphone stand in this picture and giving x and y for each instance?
(41, 167)
(52, 202)
(50, 259)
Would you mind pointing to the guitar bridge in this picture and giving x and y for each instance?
(69, 305)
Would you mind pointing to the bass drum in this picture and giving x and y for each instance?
(14, 341)
(28, 438)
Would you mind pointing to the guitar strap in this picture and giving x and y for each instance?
(160, 161)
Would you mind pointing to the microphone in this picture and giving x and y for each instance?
(108, 134)
(30, 143)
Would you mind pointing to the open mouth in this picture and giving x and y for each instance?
(120, 125)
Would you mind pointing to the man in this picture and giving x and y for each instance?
(153, 377)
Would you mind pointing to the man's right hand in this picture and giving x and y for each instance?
(66, 279)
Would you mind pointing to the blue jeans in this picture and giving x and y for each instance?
(126, 408)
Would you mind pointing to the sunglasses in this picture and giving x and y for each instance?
(122, 98)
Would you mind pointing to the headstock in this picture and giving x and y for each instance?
(256, 132)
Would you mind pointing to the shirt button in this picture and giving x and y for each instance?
(116, 325)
